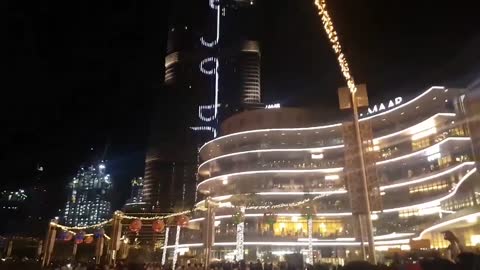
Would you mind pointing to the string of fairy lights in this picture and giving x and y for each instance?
(334, 41)
(71, 229)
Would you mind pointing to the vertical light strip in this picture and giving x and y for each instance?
(165, 244)
(216, 90)
(175, 250)
(310, 246)
(240, 238)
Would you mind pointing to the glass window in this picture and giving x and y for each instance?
(420, 144)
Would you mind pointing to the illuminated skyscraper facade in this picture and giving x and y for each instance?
(89, 197)
(212, 70)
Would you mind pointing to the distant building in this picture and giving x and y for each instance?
(88, 197)
(24, 209)
(137, 190)
(136, 203)
(12, 200)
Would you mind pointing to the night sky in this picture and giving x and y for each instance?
(83, 74)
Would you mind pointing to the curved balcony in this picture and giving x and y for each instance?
(392, 223)
(436, 99)
(423, 175)
(433, 202)
(317, 157)
(421, 192)
(232, 167)
(331, 208)
(281, 138)
(293, 180)
(441, 144)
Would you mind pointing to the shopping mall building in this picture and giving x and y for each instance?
(424, 174)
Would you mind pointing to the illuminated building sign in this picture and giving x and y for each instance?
(384, 106)
(272, 106)
(209, 66)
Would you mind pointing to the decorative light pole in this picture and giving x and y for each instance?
(368, 218)
(310, 246)
(114, 244)
(239, 218)
(342, 62)
(175, 250)
(209, 230)
(165, 243)
(309, 212)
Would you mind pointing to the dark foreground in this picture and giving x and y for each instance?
(465, 261)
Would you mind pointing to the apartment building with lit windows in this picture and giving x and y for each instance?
(424, 166)
(89, 196)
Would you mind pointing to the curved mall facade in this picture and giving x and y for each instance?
(424, 175)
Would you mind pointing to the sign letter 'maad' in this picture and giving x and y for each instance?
(381, 107)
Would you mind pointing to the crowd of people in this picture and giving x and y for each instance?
(464, 261)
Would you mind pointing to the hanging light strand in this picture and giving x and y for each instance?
(286, 205)
(335, 43)
(81, 228)
(256, 207)
(160, 217)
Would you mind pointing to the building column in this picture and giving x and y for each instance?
(10, 247)
(39, 249)
(209, 231)
(49, 243)
(99, 250)
(74, 250)
(116, 235)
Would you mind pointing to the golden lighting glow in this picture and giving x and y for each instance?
(472, 219)
(474, 239)
(337, 48)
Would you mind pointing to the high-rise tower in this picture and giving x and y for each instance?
(89, 197)
(212, 70)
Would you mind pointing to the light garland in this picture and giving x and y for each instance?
(81, 228)
(159, 217)
(334, 41)
(175, 250)
(101, 224)
(260, 207)
(165, 244)
(286, 205)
